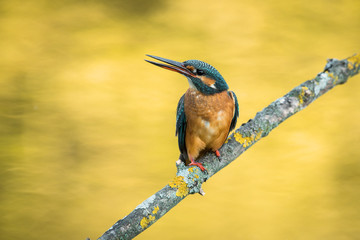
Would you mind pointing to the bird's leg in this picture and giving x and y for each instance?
(217, 153)
(193, 163)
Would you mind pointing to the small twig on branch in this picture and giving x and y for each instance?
(188, 180)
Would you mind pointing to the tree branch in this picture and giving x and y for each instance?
(188, 180)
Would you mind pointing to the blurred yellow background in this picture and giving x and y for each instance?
(87, 127)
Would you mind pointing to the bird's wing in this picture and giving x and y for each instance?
(236, 111)
(181, 125)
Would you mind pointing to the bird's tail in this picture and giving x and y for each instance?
(184, 158)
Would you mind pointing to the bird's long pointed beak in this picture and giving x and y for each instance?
(174, 65)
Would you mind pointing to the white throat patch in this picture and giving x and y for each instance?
(191, 84)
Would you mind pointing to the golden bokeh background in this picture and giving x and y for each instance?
(87, 127)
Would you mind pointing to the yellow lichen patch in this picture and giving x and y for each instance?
(182, 190)
(237, 136)
(247, 141)
(145, 221)
(179, 183)
(196, 176)
(176, 181)
(191, 169)
(302, 94)
(156, 209)
(354, 61)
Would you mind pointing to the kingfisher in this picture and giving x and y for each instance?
(206, 113)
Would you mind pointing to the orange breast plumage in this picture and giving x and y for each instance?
(208, 120)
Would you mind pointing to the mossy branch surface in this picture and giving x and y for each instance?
(188, 180)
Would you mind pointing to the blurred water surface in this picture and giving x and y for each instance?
(87, 127)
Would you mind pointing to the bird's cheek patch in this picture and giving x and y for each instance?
(208, 81)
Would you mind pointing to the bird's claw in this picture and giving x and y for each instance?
(198, 165)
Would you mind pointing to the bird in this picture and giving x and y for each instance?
(206, 112)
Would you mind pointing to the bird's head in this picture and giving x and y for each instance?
(201, 76)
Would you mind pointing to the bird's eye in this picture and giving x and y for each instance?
(200, 72)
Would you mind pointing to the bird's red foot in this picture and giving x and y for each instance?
(217, 153)
(193, 163)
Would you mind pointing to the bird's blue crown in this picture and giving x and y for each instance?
(203, 68)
